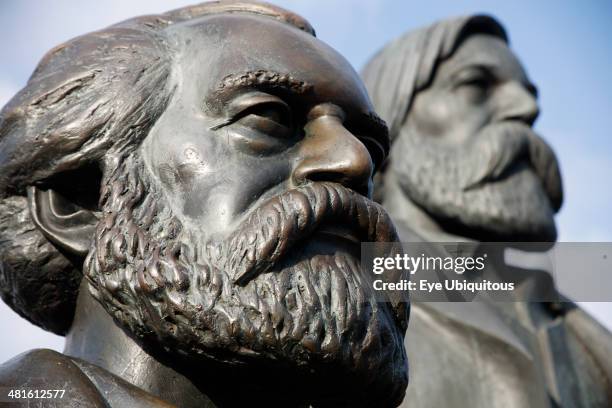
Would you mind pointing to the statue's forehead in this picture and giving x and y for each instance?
(213, 47)
(247, 41)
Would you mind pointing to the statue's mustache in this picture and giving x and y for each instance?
(505, 144)
(501, 145)
(275, 226)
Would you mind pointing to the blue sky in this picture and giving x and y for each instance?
(565, 46)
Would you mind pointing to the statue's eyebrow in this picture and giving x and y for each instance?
(261, 79)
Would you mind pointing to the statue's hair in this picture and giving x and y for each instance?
(89, 103)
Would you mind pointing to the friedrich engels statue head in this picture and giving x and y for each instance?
(465, 161)
(207, 172)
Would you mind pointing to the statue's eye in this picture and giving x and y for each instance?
(477, 81)
(474, 83)
(272, 118)
(276, 112)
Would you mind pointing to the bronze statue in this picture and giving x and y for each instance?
(207, 171)
(466, 165)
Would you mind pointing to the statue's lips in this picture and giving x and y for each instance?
(331, 239)
(339, 232)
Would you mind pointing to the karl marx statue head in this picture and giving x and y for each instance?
(205, 172)
(465, 160)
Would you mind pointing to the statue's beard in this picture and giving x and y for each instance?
(261, 298)
(505, 185)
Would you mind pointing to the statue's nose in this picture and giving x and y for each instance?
(330, 152)
(518, 104)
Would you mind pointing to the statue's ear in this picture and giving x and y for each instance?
(66, 224)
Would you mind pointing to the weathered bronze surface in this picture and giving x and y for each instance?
(207, 172)
(465, 164)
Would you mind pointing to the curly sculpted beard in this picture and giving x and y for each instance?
(244, 301)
